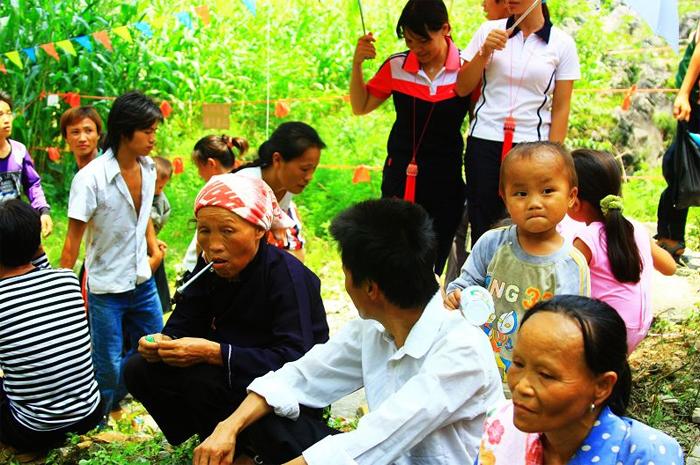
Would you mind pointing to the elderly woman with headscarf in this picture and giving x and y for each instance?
(571, 383)
(259, 308)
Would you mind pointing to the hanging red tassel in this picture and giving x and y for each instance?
(508, 131)
(409, 193)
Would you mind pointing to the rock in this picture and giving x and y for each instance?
(696, 419)
(692, 461)
(668, 399)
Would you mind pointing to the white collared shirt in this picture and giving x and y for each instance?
(521, 78)
(427, 400)
(115, 245)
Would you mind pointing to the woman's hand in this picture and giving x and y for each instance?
(46, 225)
(496, 40)
(681, 107)
(365, 49)
(218, 448)
(188, 351)
(148, 346)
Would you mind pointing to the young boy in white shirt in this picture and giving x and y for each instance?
(111, 198)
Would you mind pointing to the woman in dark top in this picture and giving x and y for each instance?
(429, 115)
(257, 310)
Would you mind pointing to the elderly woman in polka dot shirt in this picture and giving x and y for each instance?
(570, 384)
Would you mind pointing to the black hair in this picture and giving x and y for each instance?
(20, 233)
(604, 340)
(391, 243)
(5, 97)
(599, 176)
(291, 140)
(219, 148)
(422, 17)
(130, 112)
(528, 149)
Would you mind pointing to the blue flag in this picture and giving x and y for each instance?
(185, 18)
(84, 41)
(145, 28)
(31, 53)
(250, 4)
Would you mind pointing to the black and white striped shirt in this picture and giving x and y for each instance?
(45, 350)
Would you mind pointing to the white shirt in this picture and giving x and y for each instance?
(115, 248)
(539, 63)
(427, 400)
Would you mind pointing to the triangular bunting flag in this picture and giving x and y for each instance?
(31, 53)
(14, 58)
(3, 70)
(103, 38)
(166, 109)
(203, 13)
(178, 165)
(123, 32)
(361, 174)
(184, 18)
(250, 4)
(281, 109)
(67, 46)
(54, 154)
(72, 99)
(84, 42)
(144, 28)
(50, 50)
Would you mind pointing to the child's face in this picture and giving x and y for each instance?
(161, 181)
(537, 192)
(6, 117)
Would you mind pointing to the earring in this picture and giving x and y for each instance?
(592, 407)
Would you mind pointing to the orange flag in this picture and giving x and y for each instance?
(281, 109)
(3, 70)
(178, 166)
(166, 109)
(54, 154)
(50, 50)
(103, 38)
(203, 13)
(361, 174)
(627, 101)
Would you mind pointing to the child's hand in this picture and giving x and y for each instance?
(46, 225)
(453, 299)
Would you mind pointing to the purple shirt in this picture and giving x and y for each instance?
(17, 174)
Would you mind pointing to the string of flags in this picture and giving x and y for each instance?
(103, 37)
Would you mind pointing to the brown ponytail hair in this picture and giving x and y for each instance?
(219, 148)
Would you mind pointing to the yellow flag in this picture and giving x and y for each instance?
(67, 46)
(14, 58)
(123, 32)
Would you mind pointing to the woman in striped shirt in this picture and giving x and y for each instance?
(49, 386)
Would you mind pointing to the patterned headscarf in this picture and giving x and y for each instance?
(250, 198)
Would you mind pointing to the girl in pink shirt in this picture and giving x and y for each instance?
(619, 252)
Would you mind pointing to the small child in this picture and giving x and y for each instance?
(619, 252)
(160, 213)
(17, 175)
(528, 261)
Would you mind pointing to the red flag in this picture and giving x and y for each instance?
(72, 99)
(361, 174)
(103, 38)
(178, 166)
(54, 154)
(50, 50)
(166, 109)
(281, 109)
(203, 13)
(627, 101)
